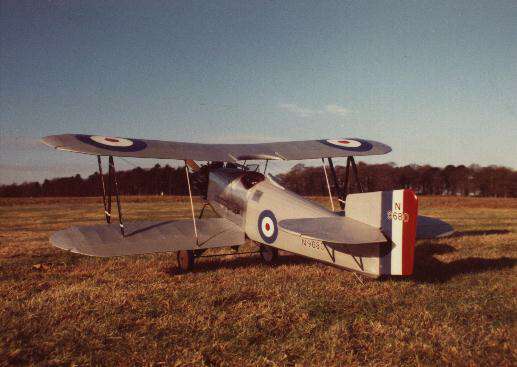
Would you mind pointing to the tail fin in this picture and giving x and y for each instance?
(395, 213)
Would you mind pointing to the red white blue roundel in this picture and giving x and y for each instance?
(357, 145)
(110, 143)
(267, 226)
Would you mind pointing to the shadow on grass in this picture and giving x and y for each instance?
(428, 269)
(479, 233)
(240, 262)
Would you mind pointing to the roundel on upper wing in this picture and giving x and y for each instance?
(111, 143)
(357, 145)
(267, 226)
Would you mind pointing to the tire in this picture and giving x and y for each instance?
(268, 254)
(185, 260)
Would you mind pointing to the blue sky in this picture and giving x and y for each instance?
(437, 81)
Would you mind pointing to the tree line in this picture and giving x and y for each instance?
(305, 180)
(138, 181)
(424, 180)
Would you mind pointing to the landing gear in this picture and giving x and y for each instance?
(185, 260)
(268, 254)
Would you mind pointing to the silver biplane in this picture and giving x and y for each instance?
(371, 233)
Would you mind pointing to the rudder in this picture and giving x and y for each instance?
(395, 213)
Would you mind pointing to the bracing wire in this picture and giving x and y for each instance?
(328, 184)
(191, 202)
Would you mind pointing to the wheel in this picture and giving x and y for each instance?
(185, 260)
(269, 254)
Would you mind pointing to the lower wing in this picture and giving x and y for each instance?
(147, 237)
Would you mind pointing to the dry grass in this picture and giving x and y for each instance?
(58, 308)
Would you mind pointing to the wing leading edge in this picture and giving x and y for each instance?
(143, 148)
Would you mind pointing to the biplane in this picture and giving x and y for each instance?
(372, 233)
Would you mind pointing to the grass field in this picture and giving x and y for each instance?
(58, 308)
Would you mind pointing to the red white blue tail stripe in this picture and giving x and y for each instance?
(400, 220)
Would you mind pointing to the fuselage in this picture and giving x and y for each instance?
(258, 204)
(265, 211)
(241, 196)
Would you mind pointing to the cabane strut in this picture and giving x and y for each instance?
(343, 191)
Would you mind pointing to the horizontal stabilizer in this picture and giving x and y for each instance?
(340, 234)
(428, 227)
(145, 148)
(336, 230)
(147, 237)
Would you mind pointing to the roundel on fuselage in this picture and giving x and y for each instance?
(267, 226)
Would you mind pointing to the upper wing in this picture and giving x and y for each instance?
(140, 148)
(147, 237)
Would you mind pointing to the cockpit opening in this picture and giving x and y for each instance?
(250, 179)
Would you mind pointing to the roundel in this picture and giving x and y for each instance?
(358, 145)
(267, 226)
(110, 143)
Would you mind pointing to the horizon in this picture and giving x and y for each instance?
(287, 166)
(437, 82)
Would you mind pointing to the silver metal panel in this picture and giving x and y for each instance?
(148, 237)
(141, 148)
(227, 196)
(337, 230)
